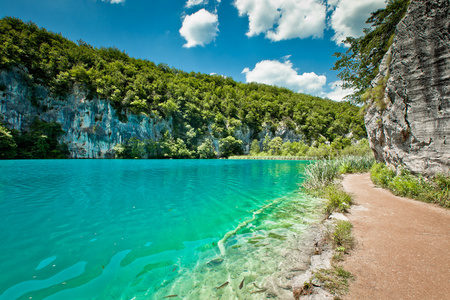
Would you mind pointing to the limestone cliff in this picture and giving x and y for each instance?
(409, 124)
(93, 127)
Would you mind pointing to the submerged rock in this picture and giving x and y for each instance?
(215, 262)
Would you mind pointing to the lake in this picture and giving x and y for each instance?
(146, 229)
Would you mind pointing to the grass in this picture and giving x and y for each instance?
(342, 239)
(323, 172)
(321, 177)
(403, 183)
(335, 280)
(320, 174)
(337, 199)
(320, 181)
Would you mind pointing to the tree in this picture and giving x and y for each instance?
(206, 150)
(266, 143)
(254, 148)
(275, 146)
(286, 149)
(358, 66)
(8, 146)
(41, 147)
(195, 106)
(229, 146)
(122, 151)
(137, 148)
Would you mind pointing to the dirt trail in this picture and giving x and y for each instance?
(403, 246)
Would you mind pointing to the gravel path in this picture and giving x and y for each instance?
(403, 246)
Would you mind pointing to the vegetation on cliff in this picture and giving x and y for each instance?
(40, 141)
(358, 66)
(199, 105)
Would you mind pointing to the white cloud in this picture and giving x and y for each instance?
(349, 18)
(283, 19)
(332, 3)
(299, 19)
(114, 1)
(200, 28)
(337, 92)
(192, 3)
(215, 74)
(262, 15)
(283, 74)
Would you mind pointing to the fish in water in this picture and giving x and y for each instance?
(171, 296)
(174, 269)
(260, 291)
(257, 286)
(242, 284)
(223, 285)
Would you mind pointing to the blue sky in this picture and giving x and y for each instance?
(287, 43)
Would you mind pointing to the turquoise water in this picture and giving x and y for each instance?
(141, 229)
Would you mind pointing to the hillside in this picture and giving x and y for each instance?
(46, 80)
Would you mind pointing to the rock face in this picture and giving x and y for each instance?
(410, 126)
(92, 127)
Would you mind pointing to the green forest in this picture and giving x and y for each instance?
(195, 102)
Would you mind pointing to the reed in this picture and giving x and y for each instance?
(323, 172)
(321, 176)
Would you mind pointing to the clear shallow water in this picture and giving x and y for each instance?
(143, 229)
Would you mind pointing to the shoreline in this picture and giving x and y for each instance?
(320, 259)
(249, 157)
(261, 262)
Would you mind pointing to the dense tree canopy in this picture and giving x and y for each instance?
(197, 103)
(40, 141)
(358, 66)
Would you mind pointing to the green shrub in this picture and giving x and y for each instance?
(335, 280)
(433, 190)
(407, 186)
(342, 235)
(8, 146)
(229, 146)
(381, 175)
(40, 141)
(338, 200)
